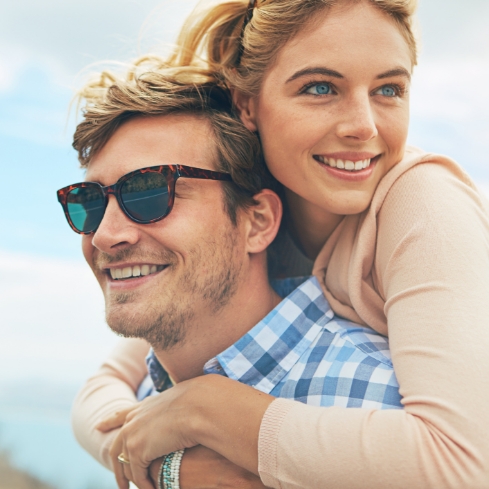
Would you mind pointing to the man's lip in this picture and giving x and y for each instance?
(349, 155)
(115, 272)
(132, 264)
(132, 283)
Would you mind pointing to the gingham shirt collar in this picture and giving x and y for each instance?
(264, 355)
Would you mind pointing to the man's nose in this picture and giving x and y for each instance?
(357, 119)
(116, 230)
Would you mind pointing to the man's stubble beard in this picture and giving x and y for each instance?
(167, 329)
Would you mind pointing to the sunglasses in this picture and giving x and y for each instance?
(145, 195)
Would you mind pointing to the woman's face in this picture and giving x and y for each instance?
(333, 110)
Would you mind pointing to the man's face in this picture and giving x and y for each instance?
(185, 266)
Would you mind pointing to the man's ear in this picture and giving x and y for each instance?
(263, 221)
(246, 107)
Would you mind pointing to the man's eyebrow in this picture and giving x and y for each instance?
(314, 71)
(395, 72)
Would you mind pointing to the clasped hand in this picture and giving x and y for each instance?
(165, 423)
(150, 429)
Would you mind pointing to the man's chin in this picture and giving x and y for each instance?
(161, 331)
(123, 328)
(119, 298)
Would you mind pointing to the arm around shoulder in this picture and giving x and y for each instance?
(432, 269)
(110, 390)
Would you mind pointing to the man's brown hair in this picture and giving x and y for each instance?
(150, 89)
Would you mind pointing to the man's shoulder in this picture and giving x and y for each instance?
(346, 365)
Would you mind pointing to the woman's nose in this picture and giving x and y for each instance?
(357, 119)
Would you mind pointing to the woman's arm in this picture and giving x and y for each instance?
(433, 267)
(203, 468)
(110, 390)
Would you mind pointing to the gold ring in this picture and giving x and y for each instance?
(122, 459)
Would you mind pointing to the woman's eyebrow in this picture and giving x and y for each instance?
(335, 74)
(314, 71)
(395, 72)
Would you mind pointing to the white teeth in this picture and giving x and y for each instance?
(344, 164)
(145, 270)
(135, 271)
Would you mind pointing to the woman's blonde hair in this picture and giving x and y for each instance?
(214, 35)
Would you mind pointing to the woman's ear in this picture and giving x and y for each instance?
(246, 107)
(263, 220)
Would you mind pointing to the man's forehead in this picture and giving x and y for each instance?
(174, 139)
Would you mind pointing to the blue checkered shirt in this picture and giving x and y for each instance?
(301, 350)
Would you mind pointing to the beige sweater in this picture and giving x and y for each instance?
(414, 266)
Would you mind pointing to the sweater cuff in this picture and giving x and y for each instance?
(268, 441)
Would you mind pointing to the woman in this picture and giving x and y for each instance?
(400, 240)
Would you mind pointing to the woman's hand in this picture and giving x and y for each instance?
(149, 430)
(115, 420)
(211, 410)
(202, 468)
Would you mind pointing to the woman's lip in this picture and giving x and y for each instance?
(350, 156)
(351, 176)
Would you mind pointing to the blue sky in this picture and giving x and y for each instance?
(45, 48)
(52, 321)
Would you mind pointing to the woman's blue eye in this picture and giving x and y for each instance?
(388, 91)
(320, 89)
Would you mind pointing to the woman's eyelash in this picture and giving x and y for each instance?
(400, 90)
(311, 84)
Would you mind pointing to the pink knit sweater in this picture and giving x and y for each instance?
(414, 266)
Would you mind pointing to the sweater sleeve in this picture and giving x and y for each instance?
(111, 389)
(432, 269)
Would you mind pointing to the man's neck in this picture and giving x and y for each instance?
(210, 335)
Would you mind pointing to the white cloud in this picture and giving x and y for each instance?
(452, 89)
(11, 63)
(68, 36)
(53, 326)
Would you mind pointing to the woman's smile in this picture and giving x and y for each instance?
(348, 168)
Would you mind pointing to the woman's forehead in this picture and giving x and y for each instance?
(353, 37)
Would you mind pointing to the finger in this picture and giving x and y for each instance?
(113, 421)
(126, 468)
(141, 477)
(115, 450)
(122, 481)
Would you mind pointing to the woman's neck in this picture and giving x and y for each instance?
(309, 225)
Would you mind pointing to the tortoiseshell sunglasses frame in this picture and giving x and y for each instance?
(172, 174)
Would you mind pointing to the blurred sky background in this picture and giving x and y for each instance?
(53, 334)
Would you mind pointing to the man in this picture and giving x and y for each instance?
(176, 228)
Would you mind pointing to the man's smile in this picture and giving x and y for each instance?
(133, 271)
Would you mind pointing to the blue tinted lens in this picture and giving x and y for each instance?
(86, 207)
(145, 196)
